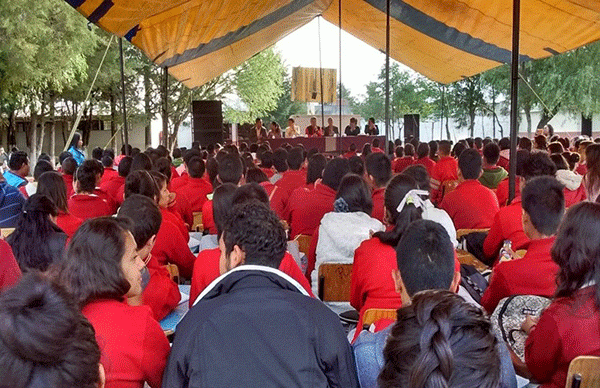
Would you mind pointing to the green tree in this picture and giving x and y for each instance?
(467, 99)
(285, 106)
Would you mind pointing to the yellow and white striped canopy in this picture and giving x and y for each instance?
(444, 40)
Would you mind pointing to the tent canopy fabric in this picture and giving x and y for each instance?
(445, 40)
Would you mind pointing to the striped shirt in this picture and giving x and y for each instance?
(11, 205)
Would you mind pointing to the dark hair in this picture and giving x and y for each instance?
(366, 150)
(425, 257)
(92, 268)
(126, 149)
(422, 150)
(256, 175)
(445, 147)
(375, 142)
(543, 199)
(395, 192)
(522, 156)
(196, 167)
(45, 341)
(538, 164)
(41, 167)
(352, 146)
(97, 153)
(230, 169)
(379, 167)
(592, 178)
(409, 149)
(399, 151)
(295, 158)
(222, 203)
(559, 161)
(555, 148)
(576, 250)
(37, 242)
(572, 159)
(52, 185)
(106, 160)
(212, 170)
(142, 182)
(433, 148)
(316, 165)
(75, 140)
(355, 191)
(266, 159)
(440, 340)
(458, 149)
(250, 192)
(525, 143)
(141, 161)
(176, 153)
(280, 160)
(86, 175)
(469, 164)
(491, 153)
(145, 216)
(357, 165)
(63, 156)
(334, 171)
(258, 232)
(163, 165)
(478, 142)
(504, 143)
(124, 167)
(419, 173)
(17, 160)
(108, 152)
(540, 142)
(188, 155)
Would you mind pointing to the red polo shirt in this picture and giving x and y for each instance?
(427, 162)
(573, 197)
(86, 206)
(378, 203)
(120, 195)
(269, 188)
(69, 183)
(184, 208)
(133, 347)
(268, 172)
(161, 294)
(471, 205)
(170, 247)
(377, 150)
(502, 191)
(206, 270)
(178, 182)
(444, 170)
(195, 190)
(208, 221)
(108, 174)
(173, 217)
(108, 198)
(534, 274)
(306, 208)
(503, 162)
(507, 226)
(68, 223)
(291, 180)
(111, 187)
(349, 154)
(10, 273)
(581, 169)
(400, 164)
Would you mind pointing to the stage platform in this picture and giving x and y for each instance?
(337, 145)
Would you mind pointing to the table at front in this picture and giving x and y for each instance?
(328, 144)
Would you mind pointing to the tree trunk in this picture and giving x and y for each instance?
(113, 124)
(173, 137)
(33, 136)
(447, 128)
(546, 117)
(10, 133)
(147, 107)
(527, 110)
(52, 131)
(472, 123)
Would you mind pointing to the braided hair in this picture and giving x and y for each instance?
(440, 341)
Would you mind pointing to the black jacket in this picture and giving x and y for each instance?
(255, 328)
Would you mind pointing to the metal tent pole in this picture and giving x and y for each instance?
(321, 77)
(387, 74)
(165, 107)
(514, 96)
(125, 130)
(339, 145)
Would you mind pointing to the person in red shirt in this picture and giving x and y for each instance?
(379, 172)
(400, 163)
(502, 189)
(114, 184)
(102, 270)
(423, 157)
(471, 205)
(180, 181)
(86, 203)
(178, 203)
(45, 340)
(305, 207)
(313, 130)
(292, 179)
(266, 163)
(351, 151)
(195, 188)
(161, 294)
(375, 147)
(109, 171)
(543, 204)
(10, 273)
(52, 186)
(492, 173)
(570, 326)
(68, 167)
(446, 169)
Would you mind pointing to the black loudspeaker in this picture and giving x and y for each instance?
(411, 126)
(207, 122)
(586, 126)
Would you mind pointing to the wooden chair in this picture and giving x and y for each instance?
(584, 372)
(197, 226)
(334, 282)
(373, 315)
(303, 241)
(173, 270)
(463, 232)
(6, 232)
(465, 257)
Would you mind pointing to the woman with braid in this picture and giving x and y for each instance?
(440, 341)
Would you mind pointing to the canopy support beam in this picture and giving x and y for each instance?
(339, 141)
(514, 100)
(387, 76)
(125, 130)
(165, 107)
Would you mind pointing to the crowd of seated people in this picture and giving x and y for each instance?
(86, 273)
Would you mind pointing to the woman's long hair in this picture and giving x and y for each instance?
(592, 178)
(395, 192)
(33, 242)
(355, 194)
(75, 140)
(440, 341)
(52, 185)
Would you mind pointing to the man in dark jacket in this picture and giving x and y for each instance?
(255, 326)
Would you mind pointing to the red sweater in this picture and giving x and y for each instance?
(306, 208)
(427, 162)
(471, 205)
(87, 206)
(534, 274)
(378, 203)
(184, 208)
(291, 180)
(112, 186)
(108, 198)
(573, 197)
(161, 294)
(68, 223)
(173, 217)
(568, 328)
(109, 173)
(206, 270)
(502, 191)
(400, 164)
(208, 221)
(507, 226)
(268, 172)
(178, 182)
(170, 247)
(69, 183)
(133, 347)
(195, 190)
(10, 273)
(444, 170)
(372, 282)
